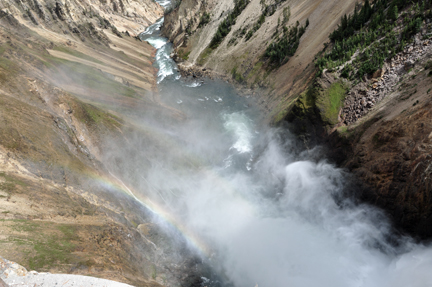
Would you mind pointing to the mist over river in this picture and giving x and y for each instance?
(255, 206)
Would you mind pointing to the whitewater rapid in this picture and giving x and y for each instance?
(272, 213)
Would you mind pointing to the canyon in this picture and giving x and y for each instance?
(68, 71)
(395, 97)
(112, 167)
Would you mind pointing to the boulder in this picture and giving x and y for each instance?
(378, 74)
(408, 65)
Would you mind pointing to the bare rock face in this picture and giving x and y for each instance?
(395, 158)
(125, 16)
(60, 11)
(389, 132)
(54, 53)
(183, 20)
(10, 270)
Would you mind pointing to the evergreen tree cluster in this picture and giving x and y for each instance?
(255, 27)
(279, 51)
(267, 10)
(371, 33)
(349, 24)
(225, 27)
(204, 20)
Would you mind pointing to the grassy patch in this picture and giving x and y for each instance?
(183, 54)
(204, 55)
(10, 183)
(238, 77)
(331, 101)
(49, 253)
(45, 244)
(282, 111)
(343, 131)
(24, 225)
(255, 70)
(77, 54)
(93, 115)
(12, 179)
(91, 78)
(9, 67)
(154, 272)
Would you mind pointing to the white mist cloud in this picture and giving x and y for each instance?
(273, 215)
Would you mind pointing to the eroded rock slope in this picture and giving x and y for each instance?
(71, 77)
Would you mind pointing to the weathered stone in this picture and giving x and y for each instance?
(408, 64)
(378, 74)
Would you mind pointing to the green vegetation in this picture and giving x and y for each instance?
(281, 111)
(183, 54)
(225, 27)
(10, 67)
(342, 130)
(257, 25)
(76, 54)
(92, 78)
(331, 102)
(204, 55)
(204, 20)
(279, 51)
(268, 11)
(371, 33)
(286, 15)
(94, 115)
(154, 272)
(103, 23)
(237, 76)
(10, 182)
(49, 253)
(45, 246)
(255, 71)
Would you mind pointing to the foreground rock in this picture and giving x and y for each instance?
(14, 274)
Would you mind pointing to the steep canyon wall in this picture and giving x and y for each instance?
(375, 124)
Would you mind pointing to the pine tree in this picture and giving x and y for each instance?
(393, 13)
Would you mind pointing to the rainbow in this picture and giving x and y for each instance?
(114, 183)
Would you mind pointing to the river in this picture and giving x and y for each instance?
(259, 209)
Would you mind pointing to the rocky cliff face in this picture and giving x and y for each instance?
(130, 16)
(70, 72)
(192, 33)
(391, 137)
(377, 124)
(374, 123)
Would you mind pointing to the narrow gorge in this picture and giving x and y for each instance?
(215, 143)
